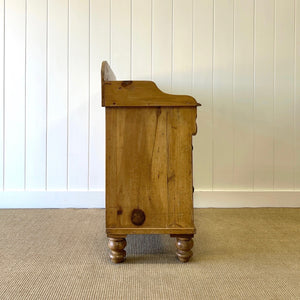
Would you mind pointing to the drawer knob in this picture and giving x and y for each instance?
(138, 217)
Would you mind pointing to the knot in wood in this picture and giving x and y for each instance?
(126, 83)
(138, 217)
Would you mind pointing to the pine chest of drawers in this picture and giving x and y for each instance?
(149, 184)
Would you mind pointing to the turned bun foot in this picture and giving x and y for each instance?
(184, 246)
(116, 245)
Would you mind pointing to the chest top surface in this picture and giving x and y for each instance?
(137, 93)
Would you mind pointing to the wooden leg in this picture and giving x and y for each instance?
(184, 244)
(116, 245)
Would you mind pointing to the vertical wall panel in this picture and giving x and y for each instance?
(78, 94)
(162, 43)
(263, 99)
(57, 95)
(36, 41)
(222, 96)
(202, 91)
(121, 38)
(243, 94)
(284, 95)
(2, 57)
(297, 95)
(240, 59)
(15, 16)
(99, 50)
(141, 39)
(182, 46)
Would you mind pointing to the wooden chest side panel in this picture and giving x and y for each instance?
(148, 166)
(180, 128)
(136, 155)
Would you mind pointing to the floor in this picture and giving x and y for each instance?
(63, 254)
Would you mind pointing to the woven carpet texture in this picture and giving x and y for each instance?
(63, 254)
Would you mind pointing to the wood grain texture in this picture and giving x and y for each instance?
(184, 244)
(141, 93)
(107, 74)
(148, 167)
(116, 245)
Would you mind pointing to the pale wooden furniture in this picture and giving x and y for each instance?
(149, 185)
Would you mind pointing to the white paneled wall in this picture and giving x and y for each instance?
(239, 58)
(57, 95)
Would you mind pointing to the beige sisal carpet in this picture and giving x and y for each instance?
(62, 254)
